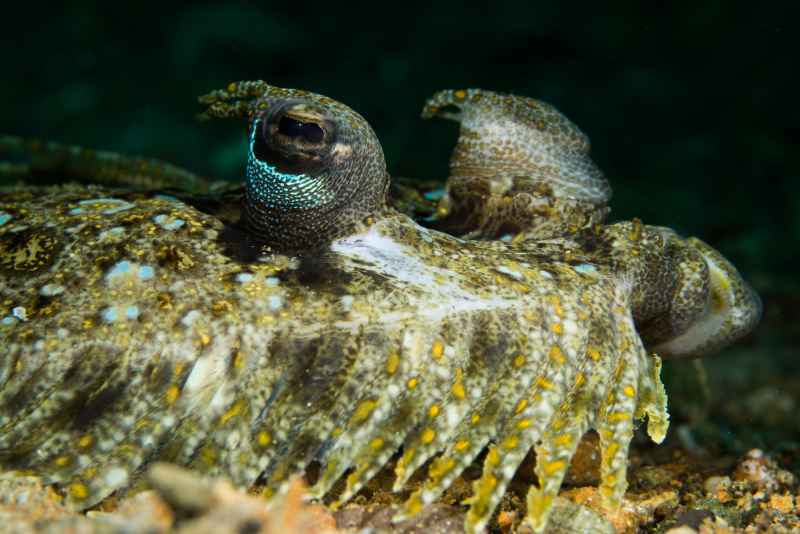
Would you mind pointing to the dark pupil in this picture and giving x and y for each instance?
(308, 130)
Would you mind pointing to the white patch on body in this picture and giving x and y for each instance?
(397, 261)
(347, 302)
(51, 290)
(191, 317)
(116, 476)
(516, 275)
(200, 375)
(275, 302)
(713, 323)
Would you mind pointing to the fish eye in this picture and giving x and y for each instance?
(294, 129)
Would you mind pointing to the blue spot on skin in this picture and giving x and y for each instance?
(4, 217)
(8, 320)
(275, 302)
(436, 194)
(119, 269)
(164, 222)
(169, 198)
(244, 277)
(109, 314)
(20, 313)
(146, 272)
(51, 290)
(585, 268)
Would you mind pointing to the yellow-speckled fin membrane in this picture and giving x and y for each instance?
(252, 397)
(336, 357)
(222, 415)
(566, 375)
(104, 420)
(652, 400)
(91, 453)
(397, 411)
(374, 366)
(523, 361)
(449, 395)
(562, 436)
(39, 389)
(216, 441)
(553, 457)
(357, 423)
(152, 417)
(460, 428)
(615, 425)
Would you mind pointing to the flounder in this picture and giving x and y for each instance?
(304, 319)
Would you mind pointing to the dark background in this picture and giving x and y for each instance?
(691, 109)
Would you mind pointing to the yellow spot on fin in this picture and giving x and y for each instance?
(458, 386)
(437, 351)
(363, 411)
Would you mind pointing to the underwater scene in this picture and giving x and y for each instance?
(319, 268)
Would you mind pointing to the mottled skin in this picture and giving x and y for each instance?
(136, 326)
(519, 167)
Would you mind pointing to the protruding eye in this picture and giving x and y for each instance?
(309, 131)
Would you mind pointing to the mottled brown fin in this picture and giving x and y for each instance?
(349, 400)
(615, 421)
(224, 444)
(392, 415)
(52, 392)
(274, 424)
(553, 457)
(519, 168)
(565, 370)
(490, 368)
(652, 400)
(42, 163)
(224, 414)
(122, 441)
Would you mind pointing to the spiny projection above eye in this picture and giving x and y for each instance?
(302, 319)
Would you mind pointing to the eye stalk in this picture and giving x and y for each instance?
(315, 169)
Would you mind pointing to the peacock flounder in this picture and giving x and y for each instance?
(322, 325)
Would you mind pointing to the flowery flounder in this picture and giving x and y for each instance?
(306, 320)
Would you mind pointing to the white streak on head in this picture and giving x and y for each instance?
(396, 261)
